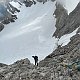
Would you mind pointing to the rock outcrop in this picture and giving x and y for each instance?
(61, 15)
(12, 9)
(1, 26)
(24, 70)
(65, 60)
(29, 3)
(66, 23)
(7, 14)
(2, 65)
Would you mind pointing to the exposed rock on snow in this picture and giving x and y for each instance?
(2, 65)
(6, 15)
(29, 3)
(66, 23)
(1, 26)
(61, 16)
(65, 56)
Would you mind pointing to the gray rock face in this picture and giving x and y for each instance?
(1, 26)
(10, 18)
(29, 3)
(65, 60)
(5, 16)
(67, 23)
(24, 70)
(2, 65)
(61, 16)
(3, 12)
(44, 1)
(12, 9)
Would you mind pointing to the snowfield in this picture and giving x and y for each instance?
(65, 39)
(31, 34)
(69, 4)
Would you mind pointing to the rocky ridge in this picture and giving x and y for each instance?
(65, 23)
(7, 11)
(67, 56)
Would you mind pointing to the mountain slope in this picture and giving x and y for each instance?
(69, 23)
(63, 63)
(29, 35)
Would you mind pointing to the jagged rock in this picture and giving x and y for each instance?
(3, 12)
(6, 21)
(5, 16)
(12, 9)
(24, 61)
(28, 3)
(1, 26)
(42, 1)
(61, 16)
(10, 18)
(66, 23)
(2, 65)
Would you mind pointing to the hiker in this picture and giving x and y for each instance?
(36, 60)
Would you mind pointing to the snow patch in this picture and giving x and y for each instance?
(71, 4)
(62, 2)
(79, 33)
(65, 39)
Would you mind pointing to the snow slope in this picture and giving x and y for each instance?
(31, 34)
(69, 4)
(65, 39)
